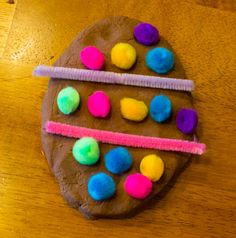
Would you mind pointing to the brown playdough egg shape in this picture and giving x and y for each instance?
(72, 176)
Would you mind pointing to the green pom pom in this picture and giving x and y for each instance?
(68, 100)
(86, 151)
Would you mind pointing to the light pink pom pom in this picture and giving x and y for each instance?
(99, 104)
(92, 58)
(138, 186)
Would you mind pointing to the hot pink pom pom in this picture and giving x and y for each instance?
(138, 186)
(92, 58)
(99, 104)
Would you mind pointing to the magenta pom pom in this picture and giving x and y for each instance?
(99, 104)
(92, 58)
(138, 186)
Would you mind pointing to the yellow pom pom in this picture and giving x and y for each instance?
(133, 109)
(123, 55)
(152, 167)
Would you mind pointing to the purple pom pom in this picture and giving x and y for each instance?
(187, 120)
(146, 34)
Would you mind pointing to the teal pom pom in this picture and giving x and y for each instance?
(160, 108)
(160, 60)
(101, 186)
(118, 160)
(68, 100)
(86, 151)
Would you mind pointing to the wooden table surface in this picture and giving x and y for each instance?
(203, 201)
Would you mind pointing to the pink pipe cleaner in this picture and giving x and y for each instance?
(114, 78)
(117, 138)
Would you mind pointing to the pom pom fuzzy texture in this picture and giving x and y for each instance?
(123, 55)
(99, 104)
(160, 108)
(66, 167)
(68, 100)
(92, 58)
(133, 109)
(138, 186)
(86, 151)
(146, 34)
(118, 160)
(152, 167)
(160, 60)
(187, 120)
(101, 186)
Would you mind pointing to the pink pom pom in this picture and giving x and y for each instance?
(138, 186)
(92, 58)
(99, 104)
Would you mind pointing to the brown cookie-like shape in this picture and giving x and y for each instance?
(71, 175)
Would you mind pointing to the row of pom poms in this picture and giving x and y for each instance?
(99, 105)
(123, 55)
(118, 160)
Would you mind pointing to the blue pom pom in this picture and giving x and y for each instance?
(118, 160)
(160, 108)
(160, 60)
(101, 186)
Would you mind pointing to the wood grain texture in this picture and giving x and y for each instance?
(201, 203)
(229, 5)
(6, 16)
